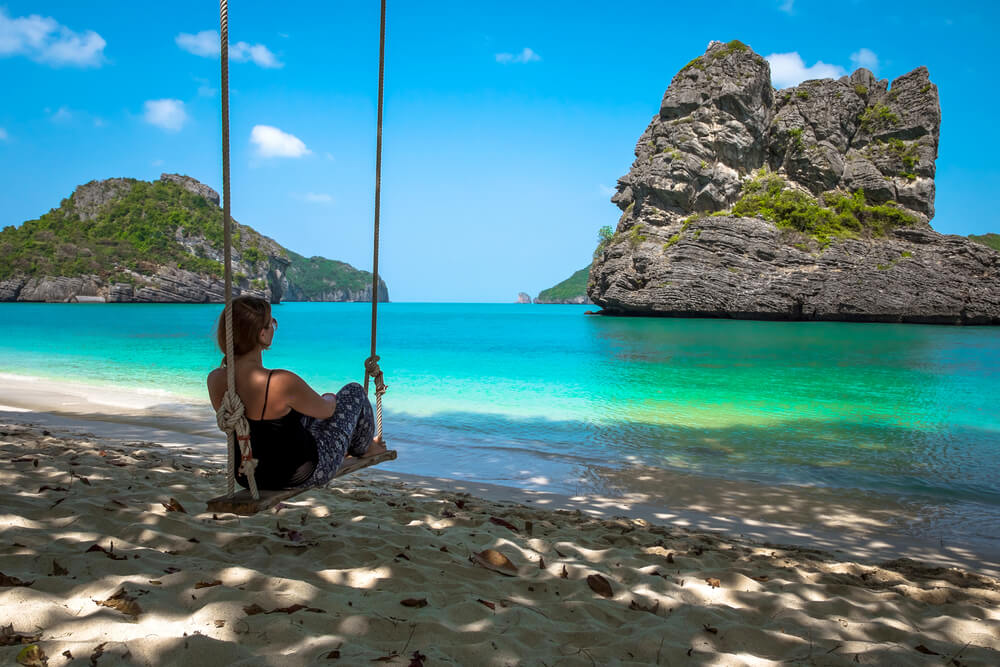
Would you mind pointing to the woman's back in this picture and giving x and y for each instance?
(284, 449)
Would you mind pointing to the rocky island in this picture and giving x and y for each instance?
(808, 203)
(125, 240)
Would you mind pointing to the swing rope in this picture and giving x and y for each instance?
(372, 370)
(231, 415)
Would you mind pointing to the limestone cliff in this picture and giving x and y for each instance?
(125, 240)
(812, 202)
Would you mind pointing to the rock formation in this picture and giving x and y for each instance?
(682, 247)
(523, 297)
(573, 290)
(260, 265)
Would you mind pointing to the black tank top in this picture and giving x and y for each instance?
(284, 449)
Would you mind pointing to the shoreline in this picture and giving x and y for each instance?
(850, 524)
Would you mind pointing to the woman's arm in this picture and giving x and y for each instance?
(301, 396)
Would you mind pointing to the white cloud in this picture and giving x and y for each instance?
(787, 6)
(206, 44)
(865, 58)
(329, 156)
(272, 142)
(605, 190)
(258, 53)
(62, 115)
(788, 69)
(168, 114)
(45, 40)
(3, 134)
(318, 198)
(525, 56)
(156, 163)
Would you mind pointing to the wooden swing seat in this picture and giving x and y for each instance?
(243, 504)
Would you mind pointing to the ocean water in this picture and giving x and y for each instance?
(535, 396)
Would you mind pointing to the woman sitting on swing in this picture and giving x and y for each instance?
(299, 437)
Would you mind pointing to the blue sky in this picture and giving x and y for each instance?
(506, 124)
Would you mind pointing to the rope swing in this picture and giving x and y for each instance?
(371, 364)
(231, 415)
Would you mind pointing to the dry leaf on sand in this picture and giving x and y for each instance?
(641, 607)
(487, 603)
(414, 602)
(294, 608)
(208, 584)
(10, 638)
(173, 506)
(123, 602)
(255, 609)
(32, 656)
(503, 522)
(714, 583)
(6, 582)
(110, 553)
(492, 559)
(599, 585)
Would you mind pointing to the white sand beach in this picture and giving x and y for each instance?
(108, 557)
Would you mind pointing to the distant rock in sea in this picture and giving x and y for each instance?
(808, 203)
(126, 240)
(523, 297)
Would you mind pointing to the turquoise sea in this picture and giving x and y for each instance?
(530, 396)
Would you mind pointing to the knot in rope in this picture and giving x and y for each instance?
(231, 412)
(372, 370)
(231, 418)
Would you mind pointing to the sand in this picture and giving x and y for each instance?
(107, 557)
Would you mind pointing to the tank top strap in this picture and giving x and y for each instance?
(267, 388)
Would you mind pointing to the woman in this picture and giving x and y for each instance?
(299, 438)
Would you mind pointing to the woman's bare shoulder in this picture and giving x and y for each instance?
(216, 376)
(284, 377)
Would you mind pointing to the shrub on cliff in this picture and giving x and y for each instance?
(838, 216)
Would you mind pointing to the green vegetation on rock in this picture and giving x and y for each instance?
(878, 115)
(318, 275)
(604, 236)
(838, 216)
(991, 240)
(907, 154)
(671, 241)
(123, 229)
(571, 288)
(136, 231)
(735, 46)
(795, 134)
(635, 235)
